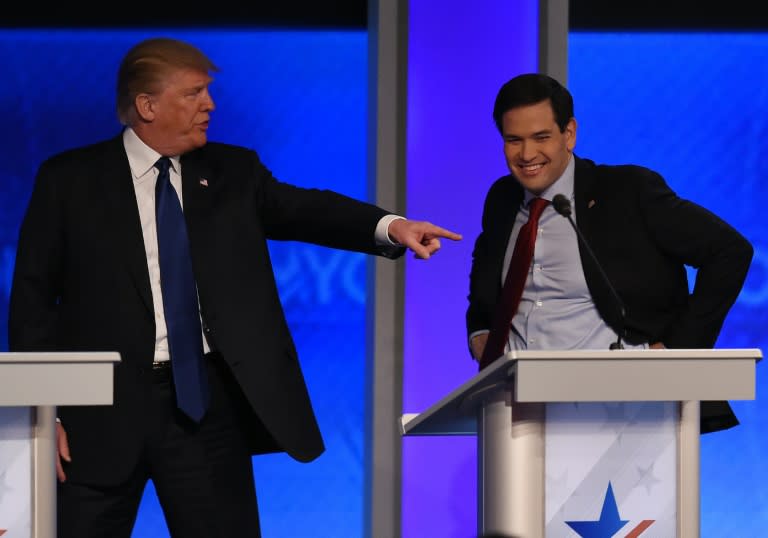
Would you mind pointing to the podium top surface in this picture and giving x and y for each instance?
(547, 376)
(629, 354)
(57, 378)
(56, 357)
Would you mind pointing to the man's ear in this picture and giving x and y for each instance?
(145, 106)
(570, 134)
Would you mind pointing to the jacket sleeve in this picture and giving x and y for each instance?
(318, 216)
(488, 253)
(694, 236)
(32, 318)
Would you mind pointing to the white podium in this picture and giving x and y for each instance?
(571, 440)
(31, 386)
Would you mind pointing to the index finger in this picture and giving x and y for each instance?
(442, 232)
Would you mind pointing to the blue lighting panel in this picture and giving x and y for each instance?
(692, 106)
(299, 99)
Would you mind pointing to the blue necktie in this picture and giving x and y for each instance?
(182, 314)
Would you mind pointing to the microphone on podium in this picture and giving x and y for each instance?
(563, 206)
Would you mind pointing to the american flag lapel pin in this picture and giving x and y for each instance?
(591, 204)
(203, 182)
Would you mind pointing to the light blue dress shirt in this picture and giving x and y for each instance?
(556, 311)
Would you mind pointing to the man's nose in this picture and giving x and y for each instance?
(208, 103)
(527, 151)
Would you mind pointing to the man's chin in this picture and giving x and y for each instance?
(534, 185)
(198, 140)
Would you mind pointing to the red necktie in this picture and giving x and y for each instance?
(514, 283)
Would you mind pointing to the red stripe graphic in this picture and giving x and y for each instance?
(637, 531)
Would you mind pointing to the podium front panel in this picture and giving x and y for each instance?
(16, 449)
(610, 469)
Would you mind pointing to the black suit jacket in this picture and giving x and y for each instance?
(644, 235)
(81, 283)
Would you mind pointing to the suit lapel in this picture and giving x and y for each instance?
(588, 204)
(199, 187)
(509, 210)
(198, 182)
(584, 196)
(123, 209)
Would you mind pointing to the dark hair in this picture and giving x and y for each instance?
(532, 88)
(146, 66)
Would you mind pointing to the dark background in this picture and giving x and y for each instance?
(584, 14)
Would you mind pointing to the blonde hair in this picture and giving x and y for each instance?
(147, 64)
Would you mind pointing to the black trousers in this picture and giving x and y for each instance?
(202, 472)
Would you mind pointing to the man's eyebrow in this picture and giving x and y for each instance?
(537, 133)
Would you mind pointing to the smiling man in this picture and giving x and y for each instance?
(642, 234)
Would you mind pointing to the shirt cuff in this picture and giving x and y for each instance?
(381, 235)
(477, 333)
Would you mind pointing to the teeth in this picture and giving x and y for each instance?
(531, 167)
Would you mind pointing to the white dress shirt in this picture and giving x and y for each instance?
(142, 159)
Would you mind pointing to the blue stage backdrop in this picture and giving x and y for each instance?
(689, 105)
(299, 99)
(693, 107)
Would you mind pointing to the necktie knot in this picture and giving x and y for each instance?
(536, 207)
(163, 164)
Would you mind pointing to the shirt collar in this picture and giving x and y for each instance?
(142, 158)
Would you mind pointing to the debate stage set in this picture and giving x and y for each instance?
(396, 109)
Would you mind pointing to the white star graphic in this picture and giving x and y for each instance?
(646, 477)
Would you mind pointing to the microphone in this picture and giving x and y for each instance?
(563, 206)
